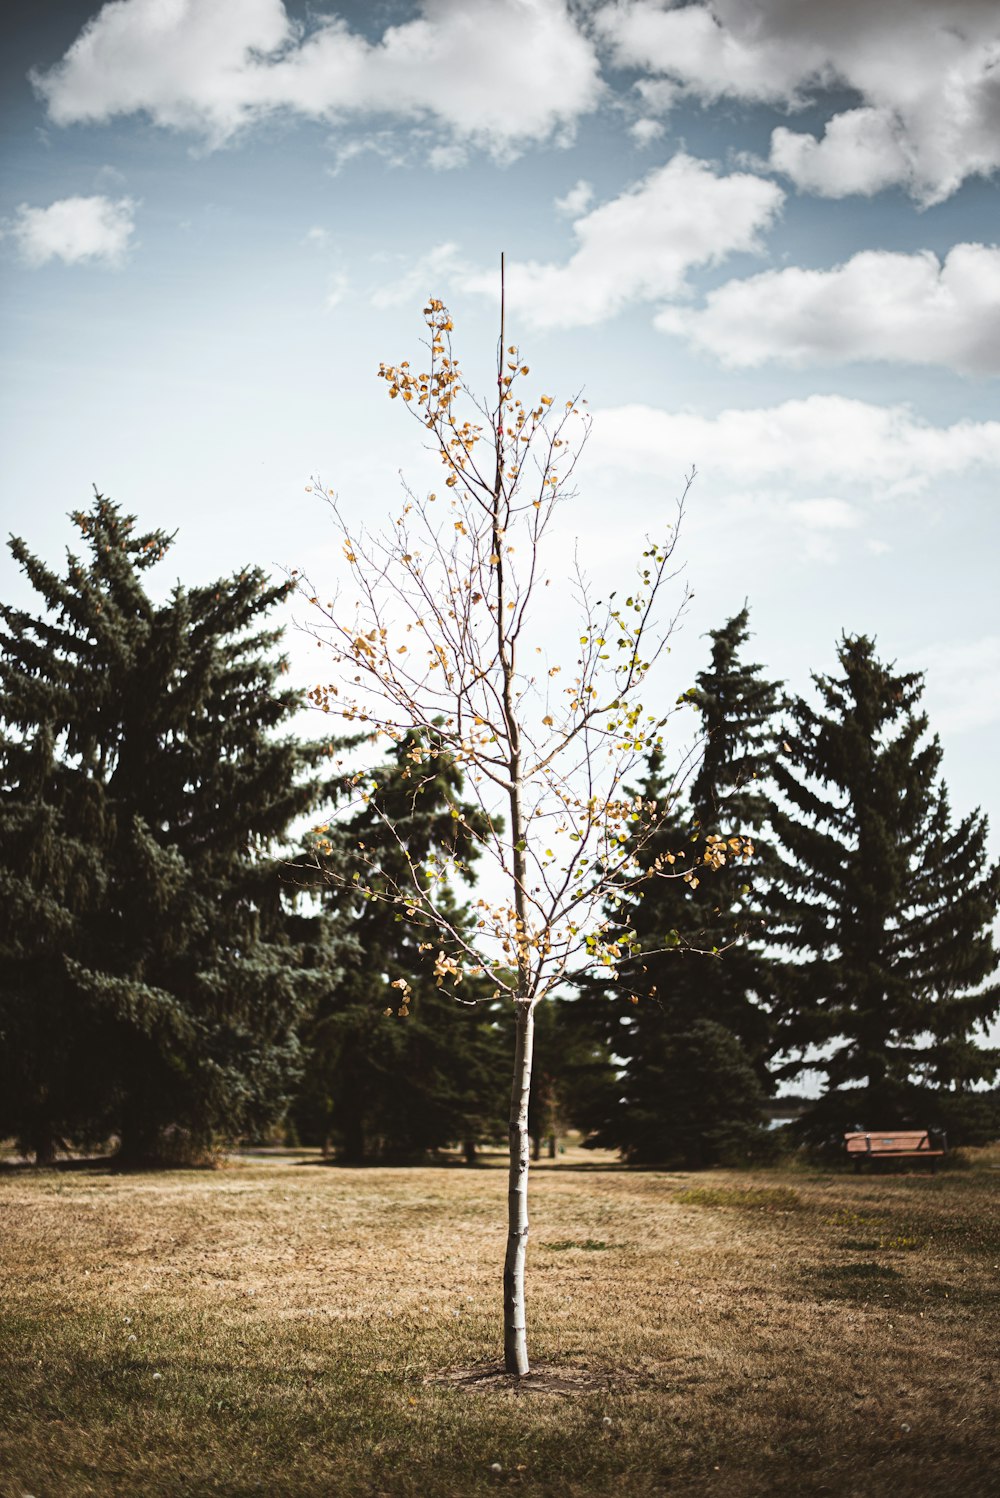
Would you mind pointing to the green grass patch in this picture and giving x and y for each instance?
(589, 1245)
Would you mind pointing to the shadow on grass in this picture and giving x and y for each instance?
(493, 1162)
(102, 1165)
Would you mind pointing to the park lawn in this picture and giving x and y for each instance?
(288, 1328)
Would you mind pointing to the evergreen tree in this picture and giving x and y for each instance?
(690, 1100)
(883, 902)
(701, 983)
(152, 976)
(739, 710)
(574, 1082)
(396, 1068)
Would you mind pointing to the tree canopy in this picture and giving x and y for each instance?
(882, 902)
(696, 974)
(374, 1090)
(153, 974)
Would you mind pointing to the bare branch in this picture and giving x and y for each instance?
(436, 643)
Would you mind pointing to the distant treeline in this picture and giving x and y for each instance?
(178, 971)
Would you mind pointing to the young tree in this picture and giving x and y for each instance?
(883, 902)
(152, 976)
(444, 632)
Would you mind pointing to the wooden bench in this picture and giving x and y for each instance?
(899, 1144)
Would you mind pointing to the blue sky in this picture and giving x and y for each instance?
(761, 234)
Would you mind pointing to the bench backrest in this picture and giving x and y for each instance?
(902, 1141)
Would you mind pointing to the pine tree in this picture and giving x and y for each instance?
(883, 902)
(153, 976)
(375, 1087)
(706, 1017)
(739, 710)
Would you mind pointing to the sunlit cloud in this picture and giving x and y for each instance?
(219, 67)
(925, 70)
(78, 231)
(639, 246)
(878, 305)
(816, 442)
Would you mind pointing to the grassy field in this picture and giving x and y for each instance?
(280, 1327)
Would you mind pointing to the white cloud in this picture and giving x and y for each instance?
(576, 201)
(645, 131)
(878, 305)
(499, 73)
(862, 151)
(448, 158)
(77, 231)
(707, 49)
(658, 95)
(926, 71)
(640, 246)
(819, 442)
(385, 144)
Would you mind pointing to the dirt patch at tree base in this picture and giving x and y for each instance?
(544, 1378)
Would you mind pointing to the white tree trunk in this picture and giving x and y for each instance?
(515, 1346)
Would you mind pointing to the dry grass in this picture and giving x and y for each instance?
(293, 1329)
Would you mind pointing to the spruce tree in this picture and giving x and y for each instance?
(701, 984)
(396, 1068)
(153, 976)
(574, 1083)
(883, 902)
(739, 708)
